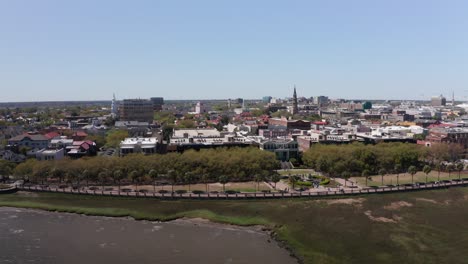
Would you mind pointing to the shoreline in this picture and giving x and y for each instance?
(182, 220)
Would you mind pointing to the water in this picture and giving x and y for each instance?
(30, 236)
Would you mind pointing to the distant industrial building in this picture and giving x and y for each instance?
(137, 110)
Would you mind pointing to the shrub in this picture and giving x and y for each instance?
(303, 183)
(181, 191)
(198, 192)
(325, 181)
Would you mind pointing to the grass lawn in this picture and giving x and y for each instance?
(296, 172)
(235, 186)
(413, 227)
(406, 178)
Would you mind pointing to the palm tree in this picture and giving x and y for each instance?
(365, 173)
(154, 175)
(427, 169)
(397, 170)
(382, 173)
(412, 170)
(460, 166)
(223, 179)
(275, 178)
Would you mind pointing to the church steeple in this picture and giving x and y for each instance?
(295, 107)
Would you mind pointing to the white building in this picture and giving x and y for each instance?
(200, 108)
(50, 154)
(138, 145)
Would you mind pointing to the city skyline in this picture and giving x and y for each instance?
(55, 51)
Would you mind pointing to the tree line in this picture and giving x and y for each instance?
(207, 165)
(359, 159)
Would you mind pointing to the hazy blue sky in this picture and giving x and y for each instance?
(88, 49)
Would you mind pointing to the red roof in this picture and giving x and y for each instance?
(441, 125)
(51, 135)
(80, 134)
(319, 123)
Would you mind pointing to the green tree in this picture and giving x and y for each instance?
(85, 174)
(365, 173)
(114, 137)
(412, 170)
(102, 176)
(382, 173)
(258, 178)
(6, 168)
(118, 176)
(223, 179)
(205, 178)
(188, 177)
(275, 178)
(292, 181)
(135, 176)
(460, 167)
(173, 176)
(345, 175)
(154, 175)
(427, 169)
(397, 169)
(450, 168)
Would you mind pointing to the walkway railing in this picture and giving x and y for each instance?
(257, 195)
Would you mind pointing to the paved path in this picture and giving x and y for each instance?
(320, 192)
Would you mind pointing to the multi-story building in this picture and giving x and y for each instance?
(138, 145)
(454, 135)
(50, 154)
(283, 149)
(273, 133)
(158, 103)
(137, 110)
(438, 100)
(266, 99)
(289, 124)
(30, 140)
(200, 108)
(320, 100)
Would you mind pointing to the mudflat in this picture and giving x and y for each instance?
(33, 236)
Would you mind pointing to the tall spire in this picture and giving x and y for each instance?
(295, 107)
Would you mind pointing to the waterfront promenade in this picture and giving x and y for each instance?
(320, 192)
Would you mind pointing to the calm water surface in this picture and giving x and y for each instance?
(30, 236)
